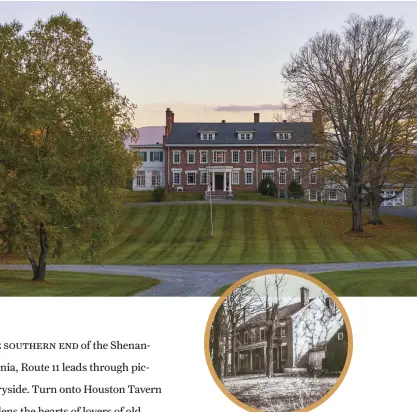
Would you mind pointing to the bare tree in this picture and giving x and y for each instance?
(355, 80)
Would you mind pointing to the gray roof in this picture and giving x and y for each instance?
(284, 312)
(265, 133)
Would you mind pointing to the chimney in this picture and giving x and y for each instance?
(169, 120)
(318, 129)
(284, 121)
(223, 121)
(304, 296)
(256, 117)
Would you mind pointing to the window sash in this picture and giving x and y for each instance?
(176, 157)
(332, 194)
(282, 177)
(267, 156)
(313, 178)
(249, 156)
(235, 156)
(282, 156)
(297, 177)
(191, 157)
(314, 193)
(203, 178)
(297, 157)
(176, 178)
(140, 178)
(203, 156)
(156, 179)
(250, 176)
(191, 178)
(235, 178)
(218, 156)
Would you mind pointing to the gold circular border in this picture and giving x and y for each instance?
(254, 275)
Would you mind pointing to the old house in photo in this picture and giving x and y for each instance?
(149, 148)
(299, 328)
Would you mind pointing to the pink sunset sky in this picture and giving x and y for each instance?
(207, 61)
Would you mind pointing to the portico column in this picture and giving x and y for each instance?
(238, 361)
(224, 181)
(230, 182)
(213, 182)
(250, 360)
(265, 357)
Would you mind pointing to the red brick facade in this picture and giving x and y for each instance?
(283, 157)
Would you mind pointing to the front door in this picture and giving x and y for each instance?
(219, 180)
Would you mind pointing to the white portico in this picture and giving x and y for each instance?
(219, 178)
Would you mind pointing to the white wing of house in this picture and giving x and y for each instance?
(312, 325)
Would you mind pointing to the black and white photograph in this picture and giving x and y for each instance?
(279, 343)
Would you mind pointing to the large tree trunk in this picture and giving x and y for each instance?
(39, 270)
(374, 203)
(10, 245)
(269, 351)
(217, 364)
(357, 224)
(226, 353)
(233, 360)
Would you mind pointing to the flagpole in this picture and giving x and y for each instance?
(211, 206)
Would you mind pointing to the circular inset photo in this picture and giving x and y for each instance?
(278, 341)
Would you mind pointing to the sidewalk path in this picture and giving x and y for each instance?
(407, 212)
(204, 280)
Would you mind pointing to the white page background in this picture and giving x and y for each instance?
(381, 376)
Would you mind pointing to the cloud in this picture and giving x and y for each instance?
(242, 108)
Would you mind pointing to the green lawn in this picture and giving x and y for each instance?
(249, 234)
(18, 283)
(368, 282)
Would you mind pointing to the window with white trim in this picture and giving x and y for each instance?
(191, 178)
(176, 178)
(297, 156)
(332, 194)
(249, 177)
(312, 156)
(245, 336)
(176, 157)
(219, 156)
(156, 178)
(297, 177)
(262, 334)
(268, 174)
(282, 156)
(203, 177)
(191, 156)
(282, 193)
(235, 177)
(156, 156)
(267, 156)
(140, 178)
(203, 156)
(313, 194)
(313, 177)
(235, 156)
(284, 135)
(248, 156)
(282, 176)
(142, 156)
(283, 332)
(207, 136)
(340, 336)
(245, 136)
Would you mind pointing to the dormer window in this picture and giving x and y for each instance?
(245, 136)
(283, 135)
(207, 136)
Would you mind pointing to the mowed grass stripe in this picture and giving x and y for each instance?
(222, 250)
(155, 235)
(183, 235)
(203, 235)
